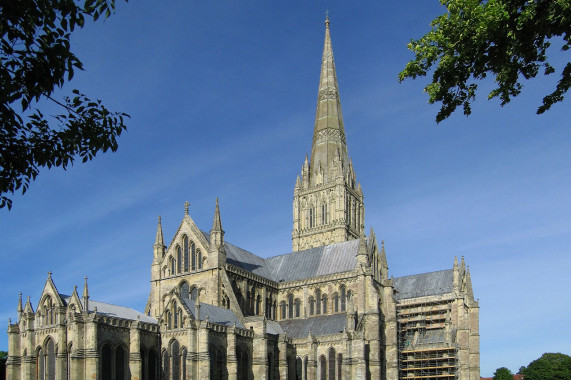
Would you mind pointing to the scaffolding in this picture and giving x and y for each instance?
(425, 341)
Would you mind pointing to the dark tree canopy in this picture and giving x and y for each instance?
(548, 367)
(504, 38)
(35, 60)
(503, 374)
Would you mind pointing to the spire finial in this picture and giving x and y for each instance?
(49, 275)
(327, 18)
(186, 205)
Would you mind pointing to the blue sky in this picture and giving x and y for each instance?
(222, 98)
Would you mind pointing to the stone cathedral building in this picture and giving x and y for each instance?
(326, 310)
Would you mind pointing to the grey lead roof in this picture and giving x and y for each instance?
(215, 314)
(424, 284)
(321, 325)
(243, 259)
(115, 311)
(313, 262)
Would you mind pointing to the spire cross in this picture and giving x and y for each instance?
(186, 205)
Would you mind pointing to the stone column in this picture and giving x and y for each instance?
(260, 352)
(14, 361)
(203, 366)
(282, 357)
(90, 347)
(135, 360)
(61, 358)
(312, 359)
(231, 359)
(29, 360)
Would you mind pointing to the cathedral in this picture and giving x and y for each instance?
(326, 310)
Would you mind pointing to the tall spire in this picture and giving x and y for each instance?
(329, 133)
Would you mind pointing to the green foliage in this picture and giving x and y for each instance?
(504, 38)
(36, 59)
(503, 374)
(548, 367)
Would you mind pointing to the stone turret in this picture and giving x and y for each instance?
(217, 237)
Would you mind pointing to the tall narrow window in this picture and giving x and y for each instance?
(331, 360)
(324, 307)
(283, 310)
(172, 266)
(193, 255)
(106, 359)
(322, 368)
(324, 213)
(184, 288)
(290, 305)
(199, 259)
(185, 248)
(175, 357)
(311, 217)
(311, 306)
(175, 316)
(178, 259)
(318, 302)
(41, 364)
(343, 297)
(297, 303)
(120, 363)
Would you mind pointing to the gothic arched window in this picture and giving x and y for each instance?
(318, 302)
(297, 304)
(120, 361)
(185, 248)
(193, 255)
(178, 259)
(290, 305)
(311, 306)
(335, 303)
(324, 307)
(331, 360)
(199, 259)
(283, 310)
(343, 292)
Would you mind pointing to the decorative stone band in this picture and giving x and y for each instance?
(328, 94)
(329, 134)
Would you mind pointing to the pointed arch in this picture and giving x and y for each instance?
(193, 255)
(343, 296)
(199, 258)
(106, 361)
(178, 259)
(331, 362)
(185, 252)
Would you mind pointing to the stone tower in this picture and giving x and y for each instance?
(328, 203)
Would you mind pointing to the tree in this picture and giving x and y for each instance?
(35, 60)
(503, 374)
(548, 367)
(505, 38)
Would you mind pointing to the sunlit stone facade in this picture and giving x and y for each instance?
(327, 310)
